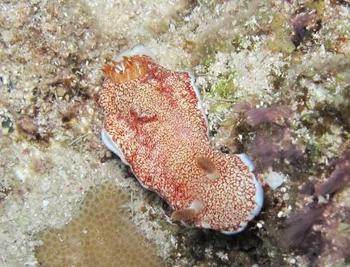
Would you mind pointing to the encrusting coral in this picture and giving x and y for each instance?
(101, 235)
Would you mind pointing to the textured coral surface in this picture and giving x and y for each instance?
(101, 234)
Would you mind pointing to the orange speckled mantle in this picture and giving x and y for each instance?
(153, 121)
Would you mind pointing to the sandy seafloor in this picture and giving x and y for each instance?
(274, 77)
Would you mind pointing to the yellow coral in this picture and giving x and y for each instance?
(101, 235)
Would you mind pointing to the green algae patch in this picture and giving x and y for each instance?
(222, 92)
(225, 87)
(319, 6)
(280, 40)
(101, 235)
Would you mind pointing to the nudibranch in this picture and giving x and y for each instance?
(155, 123)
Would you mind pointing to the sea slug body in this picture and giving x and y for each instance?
(154, 122)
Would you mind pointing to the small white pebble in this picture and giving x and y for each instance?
(322, 200)
(45, 203)
(275, 179)
(285, 197)
(222, 255)
(292, 261)
(45, 186)
(7, 36)
(280, 214)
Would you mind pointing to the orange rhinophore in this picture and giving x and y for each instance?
(129, 69)
(155, 123)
